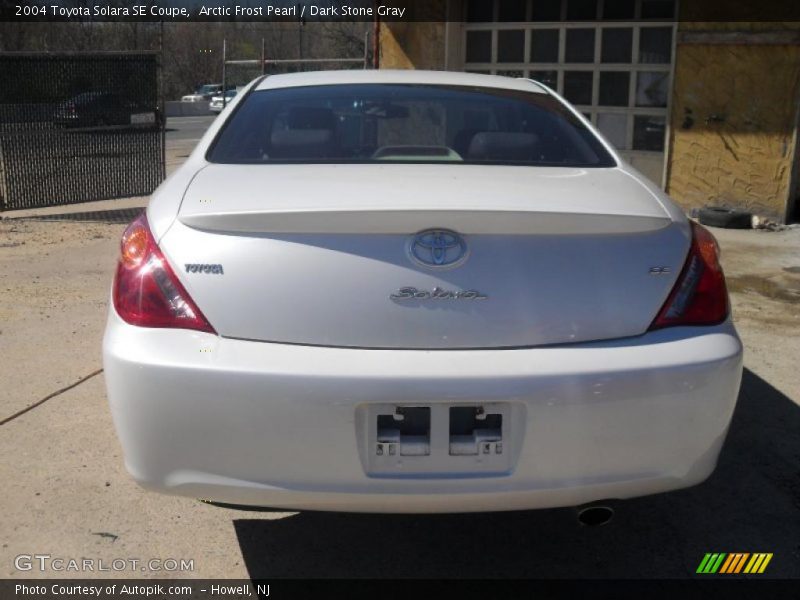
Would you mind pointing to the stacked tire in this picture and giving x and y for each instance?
(729, 218)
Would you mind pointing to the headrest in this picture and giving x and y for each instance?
(502, 145)
(310, 117)
(301, 143)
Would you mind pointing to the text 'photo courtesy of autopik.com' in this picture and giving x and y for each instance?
(399, 299)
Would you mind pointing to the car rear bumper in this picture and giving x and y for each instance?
(287, 426)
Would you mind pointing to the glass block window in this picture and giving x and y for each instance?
(544, 45)
(614, 88)
(612, 59)
(479, 46)
(578, 86)
(648, 133)
(615, 127)
(580, 46)
(655, 45)
(515, 73)
(549, 78)
(652, 88)
(617, 46)
(511, 46)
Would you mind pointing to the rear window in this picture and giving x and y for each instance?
(366, 123)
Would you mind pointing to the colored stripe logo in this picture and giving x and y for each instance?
(734, 562)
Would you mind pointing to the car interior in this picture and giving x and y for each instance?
(417, 128)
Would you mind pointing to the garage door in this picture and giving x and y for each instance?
(613, 59)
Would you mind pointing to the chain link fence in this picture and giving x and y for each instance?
(79, 127)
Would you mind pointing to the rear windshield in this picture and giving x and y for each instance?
(366, 123)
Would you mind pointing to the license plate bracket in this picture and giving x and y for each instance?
(438, 439)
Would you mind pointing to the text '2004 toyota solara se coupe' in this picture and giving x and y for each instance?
(416, 292)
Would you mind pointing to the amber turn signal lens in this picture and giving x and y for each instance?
(134, 246)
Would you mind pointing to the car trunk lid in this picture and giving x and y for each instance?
(324, 254)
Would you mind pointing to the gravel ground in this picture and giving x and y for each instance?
(66, 493)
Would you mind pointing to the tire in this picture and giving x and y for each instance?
(729, 218)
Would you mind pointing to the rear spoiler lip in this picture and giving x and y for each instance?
(405, 221)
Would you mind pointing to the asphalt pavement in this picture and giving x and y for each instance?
(186, 129)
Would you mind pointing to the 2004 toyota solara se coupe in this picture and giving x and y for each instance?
(416, 292)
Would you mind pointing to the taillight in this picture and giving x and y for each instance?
(699, 296)
(146, 291)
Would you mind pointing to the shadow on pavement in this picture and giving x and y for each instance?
(750, 504)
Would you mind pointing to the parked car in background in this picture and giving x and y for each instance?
(218, 102)
(410, 291)
(203, 93)
(93, 109)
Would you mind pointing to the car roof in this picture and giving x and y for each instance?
(354, 76)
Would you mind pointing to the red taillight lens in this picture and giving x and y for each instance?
(699, 296)
(146, 291)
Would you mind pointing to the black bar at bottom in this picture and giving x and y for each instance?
(406, 589)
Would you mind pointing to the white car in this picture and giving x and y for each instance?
(218, 103)
(204, 93)
(409, 291)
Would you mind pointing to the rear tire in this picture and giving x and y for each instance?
(729, 218)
